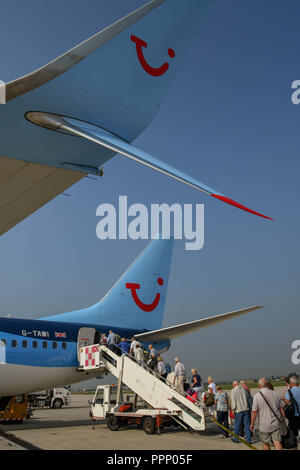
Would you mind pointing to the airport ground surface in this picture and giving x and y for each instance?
(70, 429)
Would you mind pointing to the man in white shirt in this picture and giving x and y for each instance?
(269, 426)
(179, 374)
(133, 345)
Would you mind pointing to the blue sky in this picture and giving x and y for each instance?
(227, 120)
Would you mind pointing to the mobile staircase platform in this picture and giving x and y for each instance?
(145, 383)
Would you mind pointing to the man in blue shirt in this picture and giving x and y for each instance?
(294, 423)
(124, 346)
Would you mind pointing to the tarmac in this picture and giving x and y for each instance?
(70, 428)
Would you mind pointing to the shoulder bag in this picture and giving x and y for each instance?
(289, 410)
(288, 439)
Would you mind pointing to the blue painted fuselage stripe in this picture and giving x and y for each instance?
(39, 356)
(61, 351)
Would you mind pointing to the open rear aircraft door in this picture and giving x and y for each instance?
(86, 336)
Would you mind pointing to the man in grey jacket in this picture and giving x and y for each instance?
(239, 404)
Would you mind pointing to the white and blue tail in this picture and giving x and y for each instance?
(118, 78)
(137, 300)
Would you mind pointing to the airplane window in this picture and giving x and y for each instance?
(54, 345)
(13, 343)
(3, 341)
(34, 344)
(45, 344)
(64, 345)
(24, 343)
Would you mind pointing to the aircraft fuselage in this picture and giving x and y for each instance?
(37, 354)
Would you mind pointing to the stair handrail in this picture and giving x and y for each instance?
(152, 372)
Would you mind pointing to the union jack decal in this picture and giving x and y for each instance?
(60, 335)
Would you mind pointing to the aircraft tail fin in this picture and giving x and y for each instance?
(118, 77)
(137, 300)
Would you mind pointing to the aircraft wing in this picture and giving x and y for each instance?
(173, 332)
(106, 139)
(25, 187)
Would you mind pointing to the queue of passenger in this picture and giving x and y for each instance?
(278, 417)
(238, 405)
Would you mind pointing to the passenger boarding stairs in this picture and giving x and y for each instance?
(144, 382)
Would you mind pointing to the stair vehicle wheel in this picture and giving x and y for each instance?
(58, 403)
(149, 425)
(113, 423)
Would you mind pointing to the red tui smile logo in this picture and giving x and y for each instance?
(139, 303)
(154, 71)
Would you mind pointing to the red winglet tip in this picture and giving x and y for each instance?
(236, 204)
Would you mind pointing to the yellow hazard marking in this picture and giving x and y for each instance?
(233, 434)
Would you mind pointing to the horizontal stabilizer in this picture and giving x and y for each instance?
(111, 141)
(173, 332)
